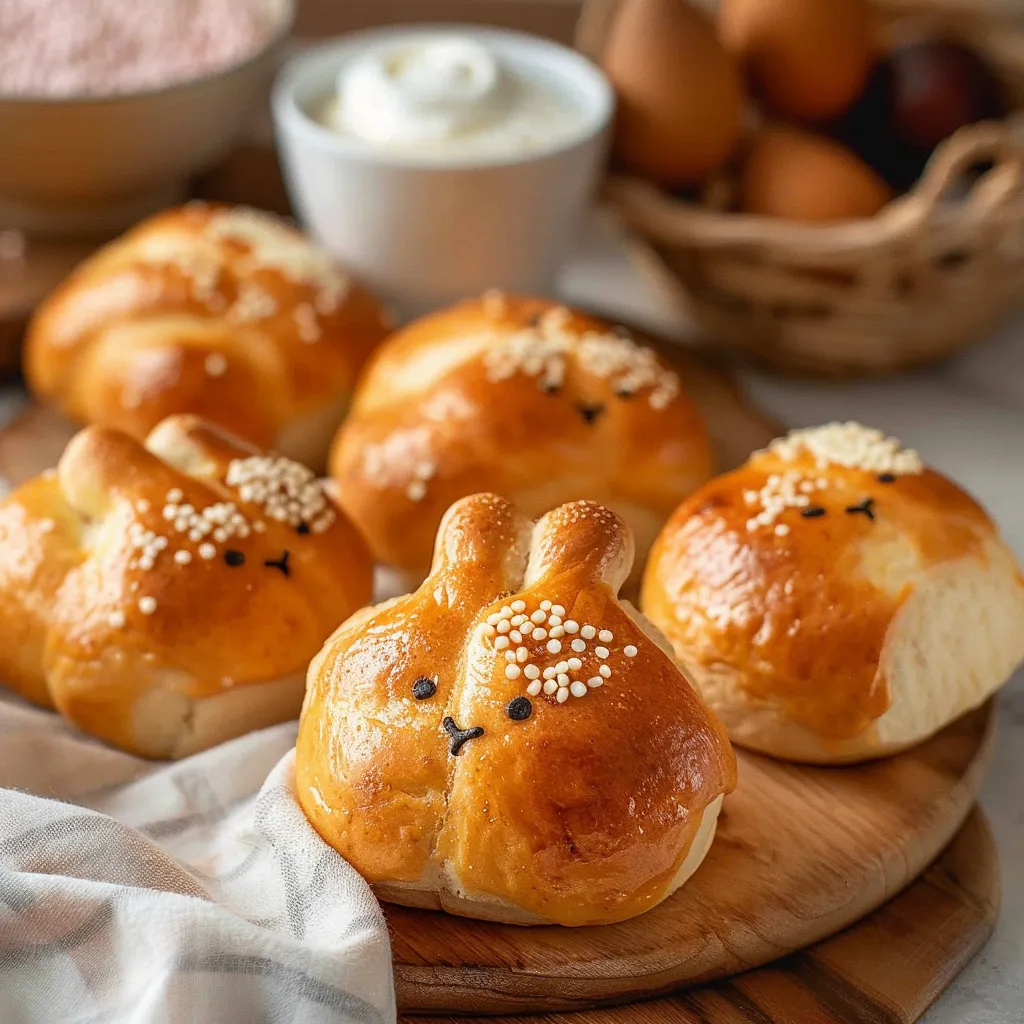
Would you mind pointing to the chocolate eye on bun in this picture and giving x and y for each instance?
(512, 742)
(836, 600)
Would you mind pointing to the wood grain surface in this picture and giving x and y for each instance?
(801, 852)
(886, 969)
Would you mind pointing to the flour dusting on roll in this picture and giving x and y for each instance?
(511, 742)
(835, 599)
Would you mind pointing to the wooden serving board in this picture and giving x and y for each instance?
(800, 853)
(886, 969)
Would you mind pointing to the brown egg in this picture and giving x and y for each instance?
(801, 176)
(680, 94)
(939, 86)
(806, 59)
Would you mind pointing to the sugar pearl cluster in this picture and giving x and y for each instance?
(270, 244)
(542, 349)
(577, 653)
(849, 444)
(285, 490)
(422, 473)
(780, 492)
(274, 245)
(207, 528)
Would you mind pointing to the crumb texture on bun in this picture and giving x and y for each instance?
(166, 597)
(222, 311)
(511, 742)
(523, 398)
(835, 599)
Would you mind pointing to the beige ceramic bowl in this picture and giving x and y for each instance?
(81, 164)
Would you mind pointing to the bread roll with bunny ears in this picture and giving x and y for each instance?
(836, 600)
(523, 397)
(511, 742)
(225, 312)
(168, 597)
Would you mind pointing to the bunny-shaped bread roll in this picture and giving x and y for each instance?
(511, 742)
(528, 399)
(167, 597)
(224, 312)
(835, 599)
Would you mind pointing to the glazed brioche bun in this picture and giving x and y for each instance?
(523, 398)
(511, 742)
(166, 597)
(835, 600)
(225, 312)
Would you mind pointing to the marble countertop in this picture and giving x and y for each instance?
(967, 419)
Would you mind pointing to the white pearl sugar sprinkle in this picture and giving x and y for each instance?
(515, 624)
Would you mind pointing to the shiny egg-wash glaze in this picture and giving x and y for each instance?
(524, 398)
(224, 312)
(168, 597)
(435, 765)
(836, 600)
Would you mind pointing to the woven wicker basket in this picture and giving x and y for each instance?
(935, 270)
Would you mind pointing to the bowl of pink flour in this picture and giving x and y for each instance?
(107, 107)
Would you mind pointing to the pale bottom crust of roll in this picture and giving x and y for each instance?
(167, 723)
(455, 898)
(953, 643)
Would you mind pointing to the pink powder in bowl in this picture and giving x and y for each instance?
(63, 48)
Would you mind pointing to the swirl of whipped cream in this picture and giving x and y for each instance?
(425, 89)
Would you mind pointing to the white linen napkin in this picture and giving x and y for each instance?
(134, 892)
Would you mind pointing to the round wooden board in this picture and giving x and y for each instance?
(800, 853)
(886, 969)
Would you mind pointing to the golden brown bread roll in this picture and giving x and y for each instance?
(225, 312)
(521, 397)
(511, 742)
(836, 600)
(168, 597)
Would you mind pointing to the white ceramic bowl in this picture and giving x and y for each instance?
(97, 163)
(423, 232)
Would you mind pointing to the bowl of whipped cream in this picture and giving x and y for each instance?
(107, 107)
(438, 161)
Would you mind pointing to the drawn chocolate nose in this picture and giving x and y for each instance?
(280, 564)
(590, 413)
(459, 736)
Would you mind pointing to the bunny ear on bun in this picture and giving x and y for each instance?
(539, 752)
(583, 538)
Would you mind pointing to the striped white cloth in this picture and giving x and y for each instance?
(134, 892)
